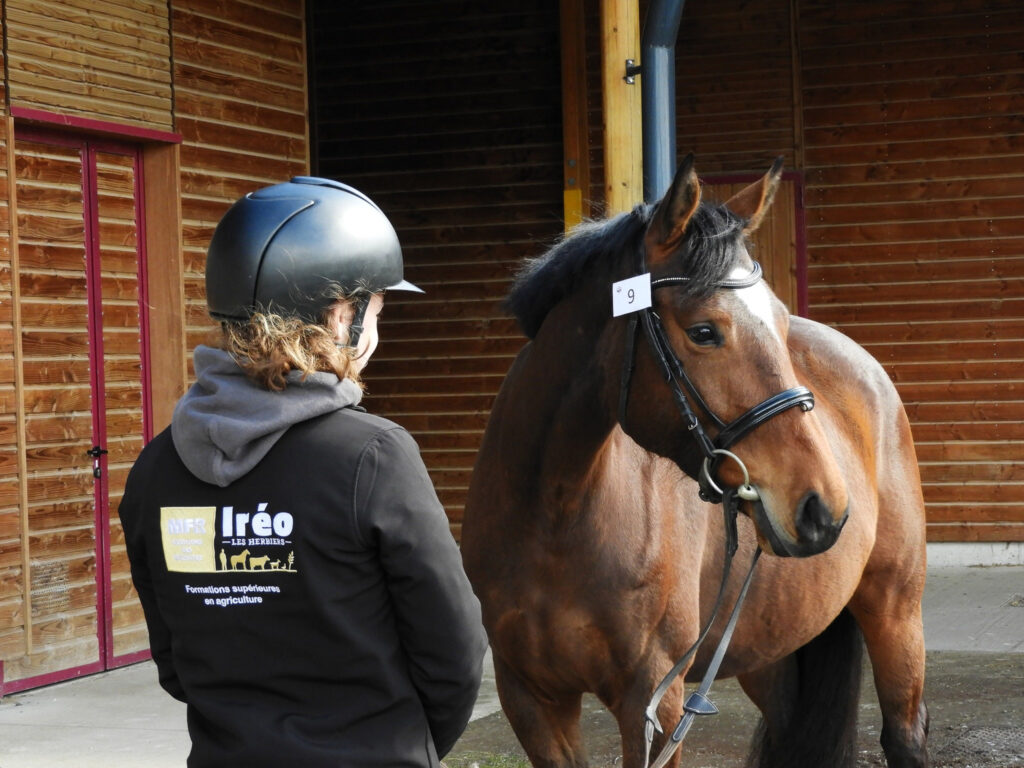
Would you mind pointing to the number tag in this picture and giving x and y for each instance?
(631, 295)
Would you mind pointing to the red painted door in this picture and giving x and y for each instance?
(80, 330)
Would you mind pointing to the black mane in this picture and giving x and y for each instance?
(706, 256)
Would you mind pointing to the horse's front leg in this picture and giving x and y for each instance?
(894, 636)
(548, 727)
(630, 712)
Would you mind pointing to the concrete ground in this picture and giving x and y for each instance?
(974, 628)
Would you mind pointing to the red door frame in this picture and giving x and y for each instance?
(88, 147)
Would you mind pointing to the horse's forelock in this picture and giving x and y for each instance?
(710, 249)
(707, 256)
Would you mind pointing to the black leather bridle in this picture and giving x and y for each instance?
(713, 449)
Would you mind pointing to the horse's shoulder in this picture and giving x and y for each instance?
(831, 359)
(810, 335)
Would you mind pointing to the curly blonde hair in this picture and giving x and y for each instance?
(268, 346)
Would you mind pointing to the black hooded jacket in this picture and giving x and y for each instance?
(314, 611)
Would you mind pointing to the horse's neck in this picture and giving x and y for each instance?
(568, 469)
(557, 416)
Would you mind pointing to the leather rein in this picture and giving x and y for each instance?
(714, 450)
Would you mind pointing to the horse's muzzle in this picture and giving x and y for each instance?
(816, 529)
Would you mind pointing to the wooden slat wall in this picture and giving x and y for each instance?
(734, 85)
(240, 106)
(102, 59)
(12, 586)
(905, 117)
(915, 186)
(448, 115)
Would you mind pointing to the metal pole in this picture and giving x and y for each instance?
(658, 82)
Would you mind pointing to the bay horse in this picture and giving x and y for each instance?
(585, 535)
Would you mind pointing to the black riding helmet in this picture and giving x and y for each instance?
(282, 249)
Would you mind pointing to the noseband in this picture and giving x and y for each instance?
(713, 449)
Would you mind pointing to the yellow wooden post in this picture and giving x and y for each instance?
(623, 129)
(576, 164)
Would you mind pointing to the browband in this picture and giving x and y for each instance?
(734, 283)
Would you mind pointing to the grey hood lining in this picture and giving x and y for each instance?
(226, 423)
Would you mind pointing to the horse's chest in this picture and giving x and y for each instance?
(583, 617)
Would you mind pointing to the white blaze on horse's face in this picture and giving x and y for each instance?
(758, 301)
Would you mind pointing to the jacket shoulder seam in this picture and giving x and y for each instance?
(372, 442)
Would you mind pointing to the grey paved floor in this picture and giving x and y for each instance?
(121, 719)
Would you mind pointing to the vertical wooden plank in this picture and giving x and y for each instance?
(781, 234)
(305, 80)
(123, 367)
(623, 139)
(165, 270)
(798, 92)
(19, 383)
(12, 567)
(576, 162)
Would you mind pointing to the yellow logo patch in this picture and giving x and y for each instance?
(188, 538)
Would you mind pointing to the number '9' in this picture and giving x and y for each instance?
(631, 294)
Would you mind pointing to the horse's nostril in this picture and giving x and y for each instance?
(813, 519)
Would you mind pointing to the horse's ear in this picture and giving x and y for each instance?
(673, 213)
(752, 203)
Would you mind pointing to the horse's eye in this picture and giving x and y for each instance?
(704, 335)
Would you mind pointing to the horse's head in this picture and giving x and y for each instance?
(713, 350)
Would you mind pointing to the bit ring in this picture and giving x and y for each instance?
(745, 491)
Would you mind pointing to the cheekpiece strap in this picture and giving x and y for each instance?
(628, 364)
